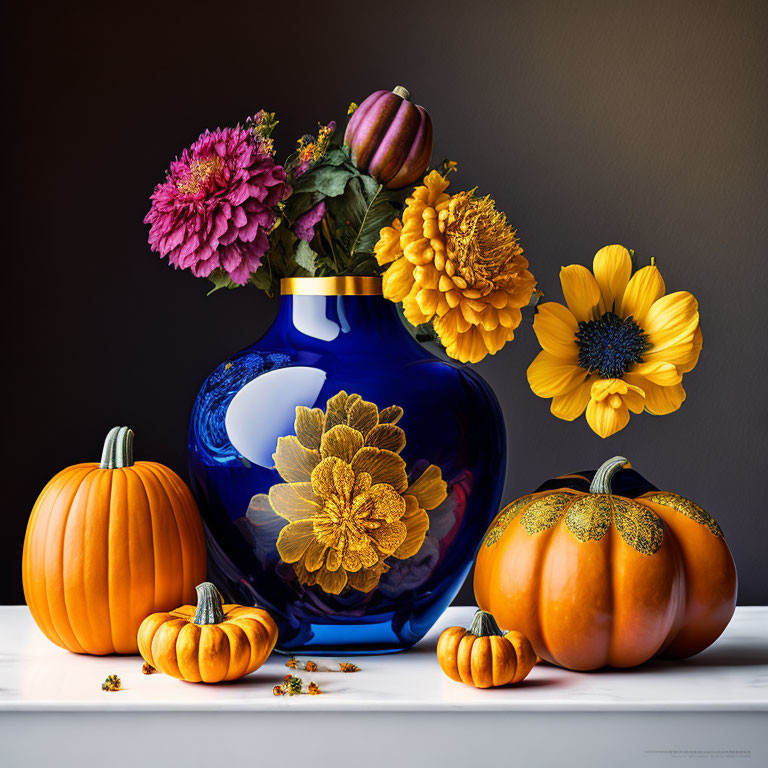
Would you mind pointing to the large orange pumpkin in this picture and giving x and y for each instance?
(106, 545)
(595, 579)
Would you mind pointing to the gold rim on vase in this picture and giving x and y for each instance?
(343, 285)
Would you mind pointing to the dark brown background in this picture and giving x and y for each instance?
(590, 122)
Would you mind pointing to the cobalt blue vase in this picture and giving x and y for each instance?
(345, 474)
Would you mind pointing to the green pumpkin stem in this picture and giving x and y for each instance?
(209, 610)
(601, 482)
(484, 625)
(118, 449)
(401, 91)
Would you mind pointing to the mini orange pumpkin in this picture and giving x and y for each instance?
(210, 642)
(598, 579)
(107, 544)
(483, 655)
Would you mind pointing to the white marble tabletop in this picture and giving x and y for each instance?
(731, 676)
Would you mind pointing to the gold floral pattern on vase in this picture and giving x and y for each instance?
(347, 497)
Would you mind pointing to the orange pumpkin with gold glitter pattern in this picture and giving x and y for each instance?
(596, 579)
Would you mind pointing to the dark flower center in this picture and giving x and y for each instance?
(609, 345)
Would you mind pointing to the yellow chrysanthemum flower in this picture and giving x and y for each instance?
(455, 261)
(347, 498)
(620, 345)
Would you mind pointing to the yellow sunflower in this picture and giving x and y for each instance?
(454, 261)
(347, 498)
(619, 345)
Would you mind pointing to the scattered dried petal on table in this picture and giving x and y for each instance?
(112, 683)
(292, 685)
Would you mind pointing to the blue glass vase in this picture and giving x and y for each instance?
(345, 474)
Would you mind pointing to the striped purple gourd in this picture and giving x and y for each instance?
(390, 138)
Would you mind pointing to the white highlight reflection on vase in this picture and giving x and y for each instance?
(309, 317)
(265, 409)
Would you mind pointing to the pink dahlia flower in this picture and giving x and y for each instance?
(217, 205)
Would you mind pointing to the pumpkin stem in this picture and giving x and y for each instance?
(484, 625)
(118, 449)
(601, 482)
(209, 610)
(402, 92)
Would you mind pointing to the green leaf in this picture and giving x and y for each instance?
(262, 278)
(371, 187)
(381, 215)
(371, 202)
(382, 210)
(349, 207)
(366, 266)
(336, 156)
(300, 202)
(305, 256)
(279, 261)
(329, 180)
(221, 279)
(357, 207)
(425, 332)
